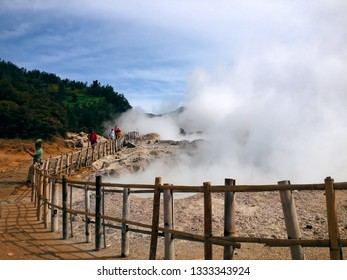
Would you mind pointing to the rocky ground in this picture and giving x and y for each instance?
(257, 214)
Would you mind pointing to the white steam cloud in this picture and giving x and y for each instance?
(277, 113)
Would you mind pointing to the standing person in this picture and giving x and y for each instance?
(116, 131)
(93, 138)
(119, 133)
(37, 156)
(112, 134)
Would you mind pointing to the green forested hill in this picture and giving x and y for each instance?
(39, 104)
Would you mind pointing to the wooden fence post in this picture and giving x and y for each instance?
(64, 200)
(45, 198)
(125, 216)
(208, 220)
(39, 195)
(67, 165)
(78, 160)
(103, 214)
(98, 214)
(61, 165)
(33, 188)
(71, 215)
(229, 218)
(87, 210)
(155, 218)
(86, 159)
(291, 221)
(335, 250)
(168, 223)
(54, 212)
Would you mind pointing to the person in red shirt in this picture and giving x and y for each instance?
(93, 138)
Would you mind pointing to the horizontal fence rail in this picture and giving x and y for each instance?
(53, 195)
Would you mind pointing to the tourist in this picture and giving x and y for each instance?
(37, 156)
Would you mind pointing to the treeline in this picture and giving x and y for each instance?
(39, 104)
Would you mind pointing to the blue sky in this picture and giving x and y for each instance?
(150, 50)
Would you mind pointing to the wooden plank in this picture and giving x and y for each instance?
(168, 224)
(155, 219)
(64, 200)
(45, 186)
(98, 214)
(54, 212)
(87, 209)
(335, 250)
(229, 218)
(125, 216)
(291, 220)
(208, 221)
(268, 188)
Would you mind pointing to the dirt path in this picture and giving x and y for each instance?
(22, 237)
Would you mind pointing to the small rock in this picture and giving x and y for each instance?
(131, 145)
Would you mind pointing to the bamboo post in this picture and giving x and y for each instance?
(45, 198)
(56, 166)
(48, 199)
(35, 186)
(87, 209)
(168, 224)
(71, 217)
(78, 160)
(98, 214)
(111, 147)
(99, 147)
(155, 219)
(41, 204)
(64, 200)
(39, 195)
(229, 218)
(33, 183)
(291, 221)
(61, 165)
(208, 220)
(54, 212)
(67, 164)
(335, 250)
(103, 219)
(125, 216)
(86, 159)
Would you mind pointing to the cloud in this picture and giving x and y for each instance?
(276, 113)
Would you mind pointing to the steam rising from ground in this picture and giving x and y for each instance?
(277, 113)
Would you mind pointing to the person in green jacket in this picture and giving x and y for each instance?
(37, 157)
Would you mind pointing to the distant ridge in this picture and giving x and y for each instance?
(174, 113)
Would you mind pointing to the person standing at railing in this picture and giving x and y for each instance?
(93, 138)
(37, 157)
(119, 134)
(112, 134)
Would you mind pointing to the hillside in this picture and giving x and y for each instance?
(39, 104)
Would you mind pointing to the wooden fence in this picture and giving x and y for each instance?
(51, 184)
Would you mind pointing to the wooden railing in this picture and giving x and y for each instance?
(52, 182)
(48, 189)
(67, 163)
